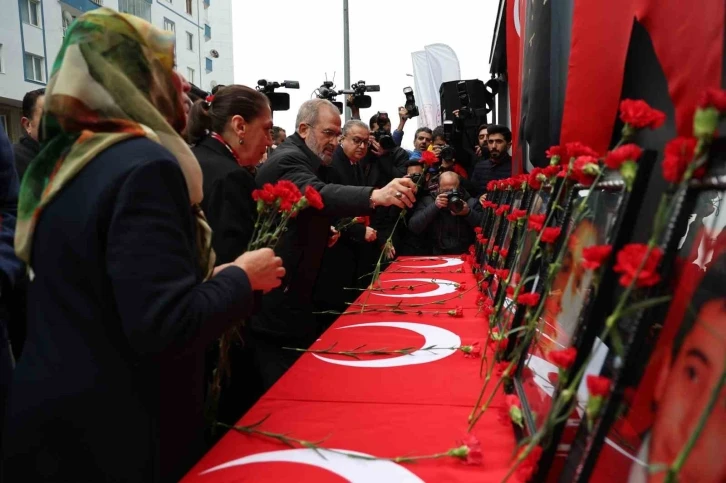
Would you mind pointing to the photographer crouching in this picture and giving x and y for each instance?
(447, 217)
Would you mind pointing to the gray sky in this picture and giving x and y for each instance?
(302, 40)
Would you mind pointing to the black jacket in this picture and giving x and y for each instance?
(110, 383)
(287, 311)
(228, 202)
(448, 234)
(379, 171)
(25, 150)
(486, 171)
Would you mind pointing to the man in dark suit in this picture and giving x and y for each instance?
(340, 265)
(28, 147)
(286, 318)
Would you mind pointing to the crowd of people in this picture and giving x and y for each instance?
(128, 236)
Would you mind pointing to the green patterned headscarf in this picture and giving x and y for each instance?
(113, 80)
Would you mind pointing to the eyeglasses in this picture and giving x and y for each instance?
(328, 132)
(358, 141)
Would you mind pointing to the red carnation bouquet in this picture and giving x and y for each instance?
(276, 205)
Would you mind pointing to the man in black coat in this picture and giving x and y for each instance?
(449, 231)
(499, 164)
(286, 318)
(341, 262)
(28, 147)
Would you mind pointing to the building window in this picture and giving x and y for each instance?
(206, 3)
(190, 75)
(190, 41)
(189, 7)
(139, 8)
(209, 65)
(30, 12)
(169, 25)
(207, 31)
(34, 68)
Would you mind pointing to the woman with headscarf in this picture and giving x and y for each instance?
(110, 383)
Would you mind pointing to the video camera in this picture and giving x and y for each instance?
(410, 103)
(278, 101)
(358, 90)
(382, 136)
(327, 91)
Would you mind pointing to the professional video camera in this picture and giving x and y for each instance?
(360, 100)
(382, 136)
(447, 153)
(456, 203)
(410, 103)
(278, 101)
(327, 91)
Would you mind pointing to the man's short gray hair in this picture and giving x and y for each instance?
(310, 111)
(450, 174)
(354, 123)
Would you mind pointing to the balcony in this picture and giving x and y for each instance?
(139, 8)
(83, 5)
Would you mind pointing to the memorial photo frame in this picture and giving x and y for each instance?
(634, 425)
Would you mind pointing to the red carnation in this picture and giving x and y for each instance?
(626, 152)
(585, 169)
(501, 210)
(536, 178)
(429, 158)
(593, 256)
(551, 171)
(461, 287)
(315, 200)
(472, 249)
(486, 310)
(516, 214)
(361, 220)
(536, 222)
(266, 194)
(503, 184)
(496, 340)
(457, 312)
(563, 358)
(473, 350)
(554, 152)
(501, 274)
(598, 385)
(549, 235)
(500, 368)
(638, 114)
(529, 299)
(679, 154)
(629, 260)
(489, 204)
(528, 466)
(577, 149)
(478, 229)
(715, 98)
(492, 185)
(469, 450)
(503, 252)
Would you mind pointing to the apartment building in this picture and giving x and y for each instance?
(31, 34)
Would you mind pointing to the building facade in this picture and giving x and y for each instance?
(31, 33)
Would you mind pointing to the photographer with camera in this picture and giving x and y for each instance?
(384, 156)
(447, 217)
(407, 242)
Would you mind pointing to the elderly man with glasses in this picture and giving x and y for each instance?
(286, 316)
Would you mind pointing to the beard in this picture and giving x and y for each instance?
(312, 142)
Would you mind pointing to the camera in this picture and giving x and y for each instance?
(447, 153)
(278, 100)
(327, 91)
(415, 177)
(410, 103)
(382, 136)
(360, 100)
(456, 204)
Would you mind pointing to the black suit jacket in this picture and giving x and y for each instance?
(25, 150)
(287, 311)
(228, 202)
(110, 383)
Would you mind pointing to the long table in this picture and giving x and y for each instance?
(384, 406)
